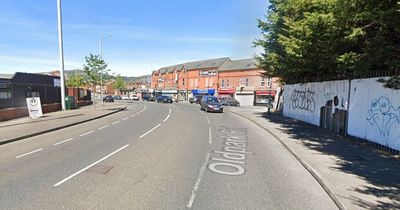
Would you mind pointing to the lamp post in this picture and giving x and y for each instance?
(101, 56)
(60, 44)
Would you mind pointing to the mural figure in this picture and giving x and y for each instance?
(303, 100)
(383, 115)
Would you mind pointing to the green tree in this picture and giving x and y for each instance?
(314, 38)
(75, 81)
(96, 69)
(119, 83)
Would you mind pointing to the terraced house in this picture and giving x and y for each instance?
(222, 77)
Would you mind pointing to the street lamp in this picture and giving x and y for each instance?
(101, 56)
(60, 43)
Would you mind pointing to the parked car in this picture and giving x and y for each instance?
(211, 104)
(229, 101)
(125, 97)
(108, 99)
(135, 98)
(148, 98)
(164, 99)
(117, 97)
(195, 99)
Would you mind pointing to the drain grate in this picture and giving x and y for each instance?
(99, 169)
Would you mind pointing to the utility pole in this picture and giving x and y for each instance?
(60, 43)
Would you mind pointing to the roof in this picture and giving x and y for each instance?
(6, 76)
(202, 64)
(243, 64)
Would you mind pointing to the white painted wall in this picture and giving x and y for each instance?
(304, 101)
(245, 99)
(374, 112)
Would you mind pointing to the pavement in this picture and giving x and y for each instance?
(21, 128)
(355, 175)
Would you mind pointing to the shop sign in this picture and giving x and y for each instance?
(208, 73)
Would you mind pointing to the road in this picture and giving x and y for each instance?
(157, 156)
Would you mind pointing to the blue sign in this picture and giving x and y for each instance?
(203, 92)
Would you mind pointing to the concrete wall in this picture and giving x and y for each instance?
(304, 101)
(374, 112)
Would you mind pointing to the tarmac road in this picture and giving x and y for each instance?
(156, 156)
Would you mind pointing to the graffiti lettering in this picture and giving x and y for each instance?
(303, 100)
(383, 115)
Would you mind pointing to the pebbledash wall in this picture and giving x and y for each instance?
(373, 111)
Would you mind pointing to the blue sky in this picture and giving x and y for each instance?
(159, 32)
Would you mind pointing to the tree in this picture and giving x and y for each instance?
(96, 69)
(75, 81)
(119, 83)
(314, 38)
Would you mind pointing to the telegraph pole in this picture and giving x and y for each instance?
(60, 43)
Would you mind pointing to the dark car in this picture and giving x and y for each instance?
(195, 99)
(108, 99)
(228, 101)
(117, 97)
(164, 99)
(147, 98)
(211, 104)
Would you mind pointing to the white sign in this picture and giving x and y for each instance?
(34, 107)
(57, 82)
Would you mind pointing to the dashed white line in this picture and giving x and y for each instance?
(115, 122)
(197, 184)
(208, 120)
(89, 166)
(149, 131)
(169, 111)
(165, 120)
(125, 118)
(84, 134)
(209, 135)
(63, 141)
(28, 153)
(103, 127)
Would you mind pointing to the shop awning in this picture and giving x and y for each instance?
(226, 91)
(203, 92)
(266, 92)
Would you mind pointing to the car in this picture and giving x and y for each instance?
(211, 104)
(108, 99)
(117, 97)
(164, 99)
(125, 97)
(135, 98)
(148, 98)
(229, 101)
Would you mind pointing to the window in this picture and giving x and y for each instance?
(183, 81)
(244, 81)
(262, 82)
(5, 95)
(227, 83)
(222, 83)
(269, 82)
(247, 82)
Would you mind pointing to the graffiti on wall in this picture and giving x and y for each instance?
(303, 99)
(383, 115)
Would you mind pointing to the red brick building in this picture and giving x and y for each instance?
(222, 77)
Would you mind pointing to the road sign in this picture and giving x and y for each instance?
(34, 107)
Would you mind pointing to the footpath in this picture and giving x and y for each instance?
(21, 128)
(356, 176)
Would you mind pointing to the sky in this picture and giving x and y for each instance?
(138, 36)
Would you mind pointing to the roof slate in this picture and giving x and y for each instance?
(6, 76)
(243, 64)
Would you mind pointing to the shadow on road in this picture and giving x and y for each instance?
(378, 169)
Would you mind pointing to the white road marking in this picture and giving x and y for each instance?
(84, 134)
(165, 120)
(104, 127)
(208, 120)
(209, 135)
(169, 111)
(132, 115)
(197, 184)
(89, 166)
(63, 141)
(28, 153)
(125, 118)
(115, 122)
(149, 131)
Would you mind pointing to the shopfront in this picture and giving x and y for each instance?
(263, 96)
(170, 92)
(182, 95)
(226, 92)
